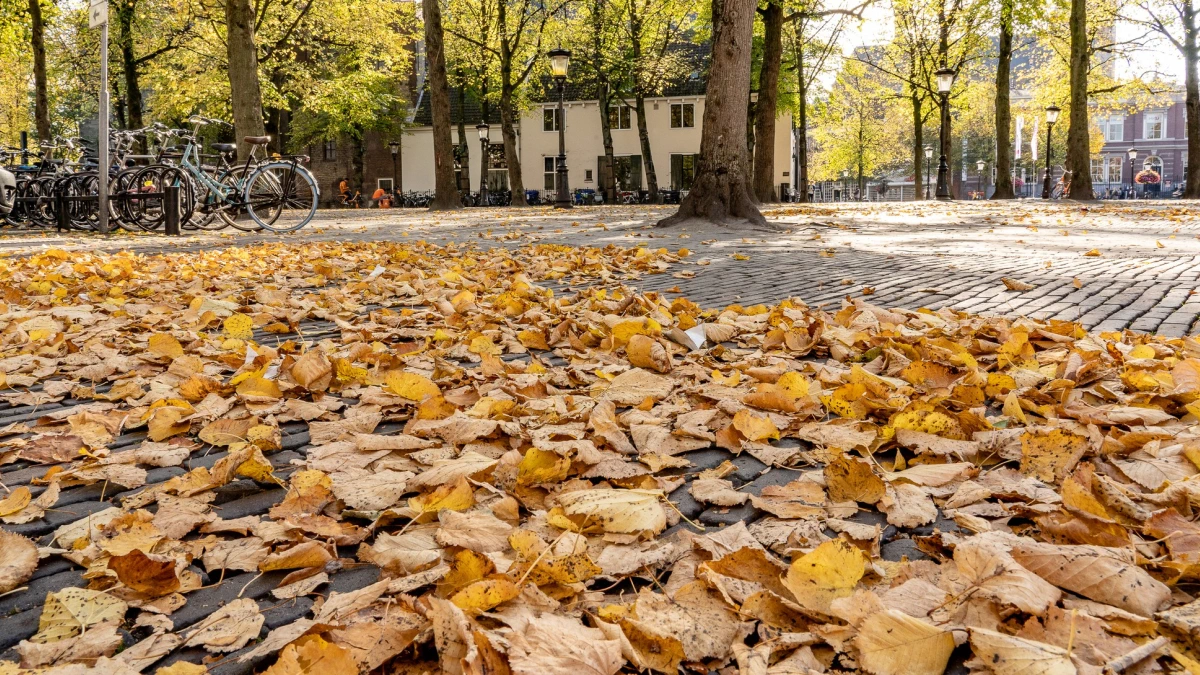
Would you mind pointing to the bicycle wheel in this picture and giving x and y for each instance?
(281, 196)
(233, 211)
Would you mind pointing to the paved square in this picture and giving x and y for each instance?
(1108, 265)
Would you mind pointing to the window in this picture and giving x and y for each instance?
(550, 119)
(1154, 126)
(683, 171)
(1154, 164)
(330, 151)
(587, 176)
(497, 166)
(384, 184)
(1097, 169)
(683, 115)
(548, 174)
(1115, 167)
(1113, 128)
(620, 117)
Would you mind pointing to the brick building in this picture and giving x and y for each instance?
(1160, 136)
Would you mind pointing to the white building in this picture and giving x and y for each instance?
(673, 122)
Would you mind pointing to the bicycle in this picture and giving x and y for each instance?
(279, 194)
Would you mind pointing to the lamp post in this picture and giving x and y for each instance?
(560, 60)
(1132, 153)
(845, 185)
(396, 191)
(1051, 117)
(981, 166)
(945, 80)
(928, 161)
(484, 162)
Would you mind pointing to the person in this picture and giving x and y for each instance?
(382, 198)
(344, 193)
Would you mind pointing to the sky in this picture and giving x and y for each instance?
(1155, 54)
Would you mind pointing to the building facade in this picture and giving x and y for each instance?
(673, 122)
(1160, 136)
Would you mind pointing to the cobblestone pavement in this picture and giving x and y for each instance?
(1108, 265)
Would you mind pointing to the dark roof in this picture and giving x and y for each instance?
(466, 108)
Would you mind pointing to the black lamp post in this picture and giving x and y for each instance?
(928, 161)
(1051, 117)
(845, 185)
(560, 60)
(945, 80)
(396, 190)
(981, 166)
(1132, 152)
(484, 162)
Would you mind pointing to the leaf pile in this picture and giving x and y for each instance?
(501, 456)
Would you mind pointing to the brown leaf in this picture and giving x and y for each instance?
(18, 560)
(1102, 574)
(228, 629)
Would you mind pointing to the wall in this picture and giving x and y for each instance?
(584, 145)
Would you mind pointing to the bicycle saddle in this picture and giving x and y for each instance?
(225, 147)
(257, 140)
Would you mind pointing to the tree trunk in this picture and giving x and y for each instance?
(1191, 56)
(918, 147)
(129, 67)
(1004, 183)
(721, 191)
(509, 130)
(647, 157)
(607, 184)
(37, 41)
(801, 124)
(446, 196)
(635, 39)
(464, 151)
(768, 98)
(243, 72)
(1079, 151)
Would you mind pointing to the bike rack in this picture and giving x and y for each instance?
(171, 210)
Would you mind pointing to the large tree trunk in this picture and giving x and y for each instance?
(1079, 153)
(801, 124)
(721, 192)
(918, 147)
(37, 42)
(1191, 56)
(243, 72)
(647, 157)
(607, 185)
(129, 67)
(635, 40)
(1004, 183)
(445, 191)
(768, 99)
(508, 128)
(464, 151)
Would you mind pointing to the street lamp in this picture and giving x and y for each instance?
(981, 166)
(1132, 153)
(945, 80)
(1051, 117)
(560, 60)
(928, 161)
(396, 190)
(845, 185)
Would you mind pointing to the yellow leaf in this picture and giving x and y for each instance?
(627, 329)
(466, 568)
(239, 326)
(618, 511)
(70, 611)
(646, 352)
(15, 501)
(542, 466)
(485, 594)
(312, 655)
(165, 345)
(794, 383)
(412, 386)
(259, 389)
(456, 496)
(182, 668)
(483, 344)
(753, 427)
(851, 479)
(828, 572)
(893, 643)
(1050, 456)
(1142, 352)
(1094, 253)
(730, 380)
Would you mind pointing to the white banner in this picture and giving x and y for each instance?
(1033, 141)
(1020, 131)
